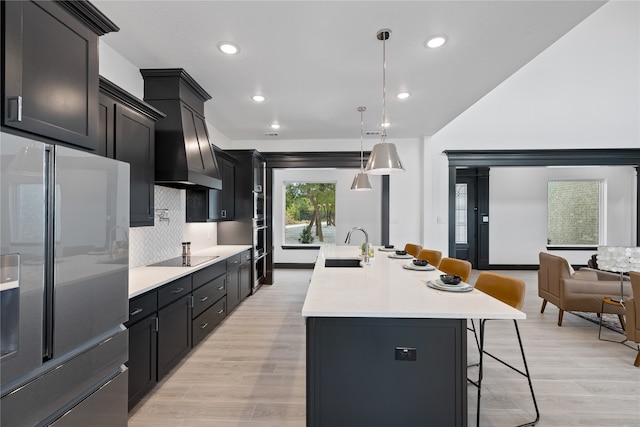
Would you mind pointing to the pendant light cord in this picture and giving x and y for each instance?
(361, 109)
(384, 35)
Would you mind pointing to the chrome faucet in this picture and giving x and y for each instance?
(366, 241)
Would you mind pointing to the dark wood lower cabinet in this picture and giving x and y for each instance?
(142, 362)
(174, 334)
(245, 276)
(358, 374)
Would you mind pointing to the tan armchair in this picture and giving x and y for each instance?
(632, 307)
(582, 290)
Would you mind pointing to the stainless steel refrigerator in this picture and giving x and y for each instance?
(64, 218)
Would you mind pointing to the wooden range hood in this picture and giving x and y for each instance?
(185, 157)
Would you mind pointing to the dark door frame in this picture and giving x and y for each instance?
(311, 160)
(578, 157)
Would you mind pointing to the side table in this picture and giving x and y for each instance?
(610, 301)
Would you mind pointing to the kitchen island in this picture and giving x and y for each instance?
(383, 348)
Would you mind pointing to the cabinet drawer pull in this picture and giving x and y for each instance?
(220, 311)
(136, 312)
(177, 290)
(221, 288)
(223, 213)
(204, 325)
(15, 113)
(203, 299)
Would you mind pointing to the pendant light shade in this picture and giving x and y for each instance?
(361, 180)
(384, 159)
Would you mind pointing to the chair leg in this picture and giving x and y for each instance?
(637, 362)
(544, 305)
(526, 369)
(560, 313)
(479, 383)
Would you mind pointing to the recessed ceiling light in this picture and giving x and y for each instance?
(275, 126)
(228, 48)
(403, 95)
(258, 98)
(436, 41)
(386, 124)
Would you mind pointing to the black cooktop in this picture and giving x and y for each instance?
(184, 261)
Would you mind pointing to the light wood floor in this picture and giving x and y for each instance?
(251, 369)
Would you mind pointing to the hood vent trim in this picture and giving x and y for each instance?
(185, 156)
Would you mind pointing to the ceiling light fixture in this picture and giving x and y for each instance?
(403, 95)
(384, 159)
(361, 180)
(436, 41)
(275, 126)
(228, 48)
(258, 98)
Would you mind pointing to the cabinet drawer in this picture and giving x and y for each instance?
(205, 296)
(208, 274)
(245, 256)
(208, 320)
(142, 306)
(174, 290)
(234, 261)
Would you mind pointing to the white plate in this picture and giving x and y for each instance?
(407, 256)
(387, 249)
(412, 266)
(460, 287)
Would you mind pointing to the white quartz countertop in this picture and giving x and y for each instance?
(145, 278)
(384, 289)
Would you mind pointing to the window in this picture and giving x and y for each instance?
(461, 213)
(574, 213)
(310, 213)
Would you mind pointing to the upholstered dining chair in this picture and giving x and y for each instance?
(412, 249)
(457, 267)
(509, 290)
(434, 257)
(632, 307)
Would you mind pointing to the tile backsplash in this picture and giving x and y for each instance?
(164, 240)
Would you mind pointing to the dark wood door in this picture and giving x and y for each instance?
(472, 216)
(174, 334)
(245, 279)
(142, 362)
(233, 289)
(227, 202)
(134, 144)
(51, 69)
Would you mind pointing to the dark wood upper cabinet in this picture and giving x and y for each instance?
(127, 133)
(204, 205)
(50, 83)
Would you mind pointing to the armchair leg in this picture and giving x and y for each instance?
(544, 304)
(621, 318)
(560, 313)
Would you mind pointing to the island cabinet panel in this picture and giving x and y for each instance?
(355, 378)
(50, 82)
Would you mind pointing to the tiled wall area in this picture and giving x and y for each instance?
(164, 240)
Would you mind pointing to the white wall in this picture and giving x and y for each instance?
(353, 209)
(582, 92)
(518, 210)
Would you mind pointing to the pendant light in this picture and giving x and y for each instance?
(361, 180)
(384, 159)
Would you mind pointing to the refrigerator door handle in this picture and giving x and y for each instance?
(49, 242)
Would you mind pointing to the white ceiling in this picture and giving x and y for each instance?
(317, 61)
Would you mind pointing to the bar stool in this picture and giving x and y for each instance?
(412, 249)
(510, 291)
(457, 267)
(434, 257)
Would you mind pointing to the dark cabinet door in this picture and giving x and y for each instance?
(134, 144)
(233, 289)
(227, 196)
(106, 117)
(174, 334)
(50, 73)
(245, 279)
(142, 362)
